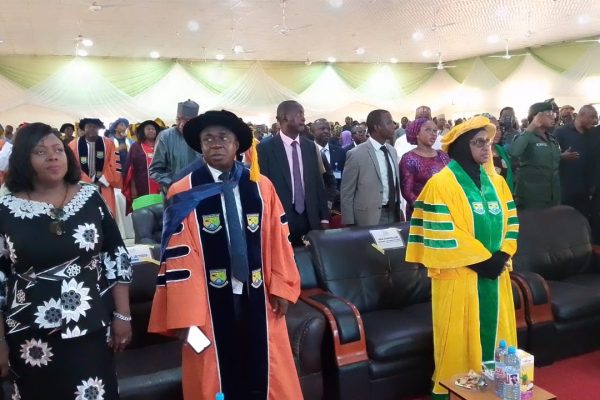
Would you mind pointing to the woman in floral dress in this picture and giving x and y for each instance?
(64, 275)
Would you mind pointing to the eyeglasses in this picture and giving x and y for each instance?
(217, 140)
(480, 143)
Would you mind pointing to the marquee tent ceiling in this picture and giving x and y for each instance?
(198, 29)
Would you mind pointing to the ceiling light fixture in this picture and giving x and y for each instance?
(154, 54)
(493, 39)
(331, 59)
(426, 53)
(87, 42)
(417, 36)
(220, 57)
(336, 3)
(82, 52)
(1, 41)
(237, 49)
(583, 19)
(394, 60)
(193, 26)
(359, 51)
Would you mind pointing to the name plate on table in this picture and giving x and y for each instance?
(387, 239)
(140, 253)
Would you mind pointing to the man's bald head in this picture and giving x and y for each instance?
(290, 115)
(587, 118)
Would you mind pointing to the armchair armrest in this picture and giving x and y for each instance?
(538, 307)
(345, 323)
(306, 327)
(519, 301)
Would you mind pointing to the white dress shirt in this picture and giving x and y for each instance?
(287, 144)
(402, 146)
(383, 169)
(5, 155)
(325, 150)
(236, 285)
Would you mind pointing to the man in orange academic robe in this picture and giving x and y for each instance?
(99, 160)
(227, 268)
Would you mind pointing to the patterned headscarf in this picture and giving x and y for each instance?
(346, 138)
(413, 129)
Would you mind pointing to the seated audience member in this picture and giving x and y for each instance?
(240, 279)
(369, 193)
(577, 164)
(464, 230)
(137, 179)
(68, 271)
(421, 163)
(538, 153)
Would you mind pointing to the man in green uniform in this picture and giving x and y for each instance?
(538, 153)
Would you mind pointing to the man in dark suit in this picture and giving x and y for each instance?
(359, 135)
(335, 155)
(290, 162)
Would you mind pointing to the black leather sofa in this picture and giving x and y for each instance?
(150, 368)
(379, 339)
(147, 224)
(557, 268)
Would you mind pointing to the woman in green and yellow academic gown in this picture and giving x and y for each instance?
(464, 231)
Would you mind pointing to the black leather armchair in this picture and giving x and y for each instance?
(557, 268)
(379, 313)
(147, 224)
(150, 368)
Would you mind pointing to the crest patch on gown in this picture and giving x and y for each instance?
(252, 220)
(83, 160)
(218, 278)
(478, 208)
(211, 223)
(256, 278)
(493, 207)
(100, 154)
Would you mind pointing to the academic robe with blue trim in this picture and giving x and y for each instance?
(194, 289)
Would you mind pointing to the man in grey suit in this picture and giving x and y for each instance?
(290, 162)
(370, 192)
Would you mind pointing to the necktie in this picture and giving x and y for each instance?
(297, 177)
(237, 241)
(390, 176)
(92, 159)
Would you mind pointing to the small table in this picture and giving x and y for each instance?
(458, 393)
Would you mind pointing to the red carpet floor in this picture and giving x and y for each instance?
(576, 378)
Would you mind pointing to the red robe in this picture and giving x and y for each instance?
(184, 301)
(111, 168)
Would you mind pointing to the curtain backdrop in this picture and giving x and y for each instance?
(61, 89)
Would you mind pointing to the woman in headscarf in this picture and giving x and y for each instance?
(346, 138)
(464, 230)
(421, 163)
(137, 181)
(501, 159)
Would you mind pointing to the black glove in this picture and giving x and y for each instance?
(492, 267)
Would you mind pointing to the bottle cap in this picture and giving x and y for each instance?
(220, 396)
(503, 344)
(512, 350)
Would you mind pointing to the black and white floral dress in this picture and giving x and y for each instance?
(55, 293)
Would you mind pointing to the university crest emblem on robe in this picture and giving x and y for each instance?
(211, 223)
(256, 278)
(218, 278)
(478, 208)
(494, 207)
(83, 160)
(252, 220)
(100, 155)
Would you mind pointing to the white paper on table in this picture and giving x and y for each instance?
(388, 238)
(140, 253)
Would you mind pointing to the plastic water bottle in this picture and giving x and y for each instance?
(512, 370)
(499, 375)
(220, 396)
